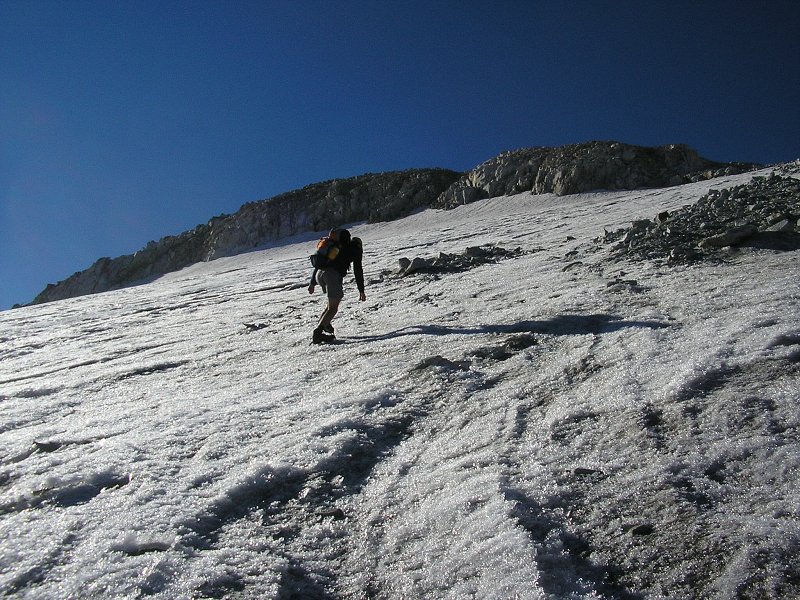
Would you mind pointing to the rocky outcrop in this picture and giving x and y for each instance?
(762, 214)
(168, 254)
(581, 168)
(320, 206)
(370, 197)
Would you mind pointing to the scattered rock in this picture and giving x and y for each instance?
(418, 264)
(729, 237)
(443, 363)
(621, 285)
(47, 446)
(753, 213)
(789, 168)
(386, 196)
(508, 348)
(782, 226)
(454, 263)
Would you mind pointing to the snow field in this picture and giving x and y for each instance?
(536, 428)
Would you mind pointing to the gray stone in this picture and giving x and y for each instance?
(642, 529)
(453, 263)
(386, 196)
(782, 225)
(416, 265)
(730, 237)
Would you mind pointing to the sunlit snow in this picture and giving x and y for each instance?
(518, 430)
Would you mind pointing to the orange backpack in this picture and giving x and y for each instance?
(327, 250)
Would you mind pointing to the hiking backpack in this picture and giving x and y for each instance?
(328, 248)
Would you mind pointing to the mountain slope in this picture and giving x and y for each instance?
(387, 196)
(568, 422)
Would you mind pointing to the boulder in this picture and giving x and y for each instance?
(729, 237)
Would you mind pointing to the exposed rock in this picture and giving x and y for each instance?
(413, 266)
(583, 471)
(453, 263)
(789, 168)
(783, 225)
(584, 167)
(763, 213)
(507, 348)
(622, 285)
(336, 513)
(729, 237)
(443, 363)
(403, 263)
(320, 206)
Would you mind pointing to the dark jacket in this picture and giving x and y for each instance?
(351, 253)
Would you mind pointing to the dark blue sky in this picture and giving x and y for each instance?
(123, 122)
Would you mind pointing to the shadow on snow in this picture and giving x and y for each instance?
(560, 325)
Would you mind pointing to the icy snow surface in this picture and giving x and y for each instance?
(541, 427)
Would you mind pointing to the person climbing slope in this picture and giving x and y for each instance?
(335, 253)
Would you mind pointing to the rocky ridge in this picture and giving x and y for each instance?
(386, 196)
(321, 206)
(582, 168)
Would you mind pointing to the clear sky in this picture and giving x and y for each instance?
(123, 122)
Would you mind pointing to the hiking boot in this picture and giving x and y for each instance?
(320, 337)
(328, 328)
